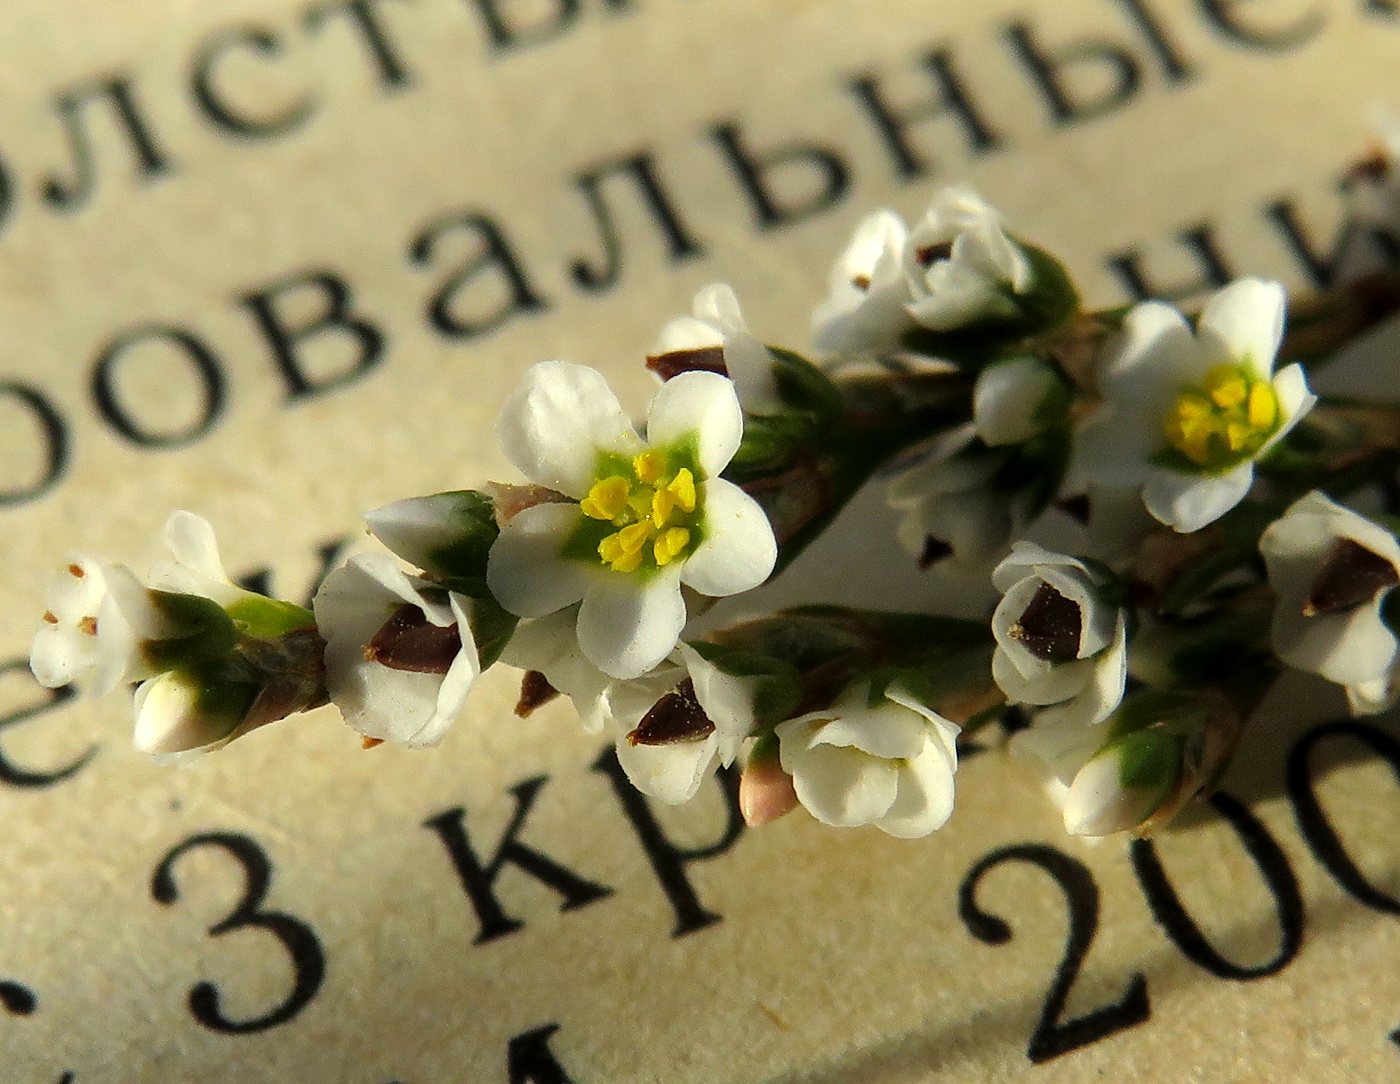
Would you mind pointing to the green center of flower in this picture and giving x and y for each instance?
(650, 507)
(1225, 421)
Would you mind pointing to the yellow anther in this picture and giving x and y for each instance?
(683, 486)
(607, 498)
(649, 466)
(1263, 406)
(669, 545)
(663, 503)
(633, 538)
(1228, 387)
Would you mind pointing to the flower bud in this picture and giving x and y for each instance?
(1123, 785)
(185, 710)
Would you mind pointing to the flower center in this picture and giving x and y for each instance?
(654, 506)
(1225, 421)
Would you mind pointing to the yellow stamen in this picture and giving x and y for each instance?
(1263, 407)
(683, 486)
(607, 498)
(663, 503)
(670, 545)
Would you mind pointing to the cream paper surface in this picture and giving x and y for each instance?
(837, 956)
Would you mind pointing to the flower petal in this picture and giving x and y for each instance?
(703, 404)
(842, 787)
(526, 572)
(1188, 502)
(739, 550)
(1244, 322)
(628, 624)
(669, 773)
(924, 799)
(555, 423)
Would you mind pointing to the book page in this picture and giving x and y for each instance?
(281, 261)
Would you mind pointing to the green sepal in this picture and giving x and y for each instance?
(1149, 759)
(492, 627)
(462, 561)
(268, 618)
(200, 631)
(811, 404)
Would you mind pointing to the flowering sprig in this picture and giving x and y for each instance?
(1213, 486)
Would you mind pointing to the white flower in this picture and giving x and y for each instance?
(1332, 570)
(949, 506)
(679, 723)
(864, 312)
(103, 626)
(644, 516)
(400, 654)
(1011, 398)
(184, 712)
(1122, 785)
(1058, 642)
(717, 338)
(1187, 415)
(961, 265)
(97, 620)
(889, 764)
(436, 533)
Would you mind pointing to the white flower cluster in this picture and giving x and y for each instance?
(961, 364)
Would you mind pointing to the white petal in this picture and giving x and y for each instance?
(739, 551)
(1049, 684)
(924, 800)
(687, 333)
(705, 405)
(550, 645)
(197, 568)
(888, 731)
(525, 570)
(727, 701)
(843, 787)
(1244, 322)
(1188, 502)
(628, 624)
(1295, 399)
(557, 421)
(669, 773)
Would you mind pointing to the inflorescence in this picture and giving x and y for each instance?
(1214, 494)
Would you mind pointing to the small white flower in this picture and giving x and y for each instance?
(890, 764)
(400, 654)
(717, 338)
(643, 518)
(97, 619)
(1058, 642)
(864, 312)
(183, 712)
(961, 265)
(1332, 570)
(101, 619)
(950, 508)
(1010, 400)
(678, 724)
(1187, 415)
